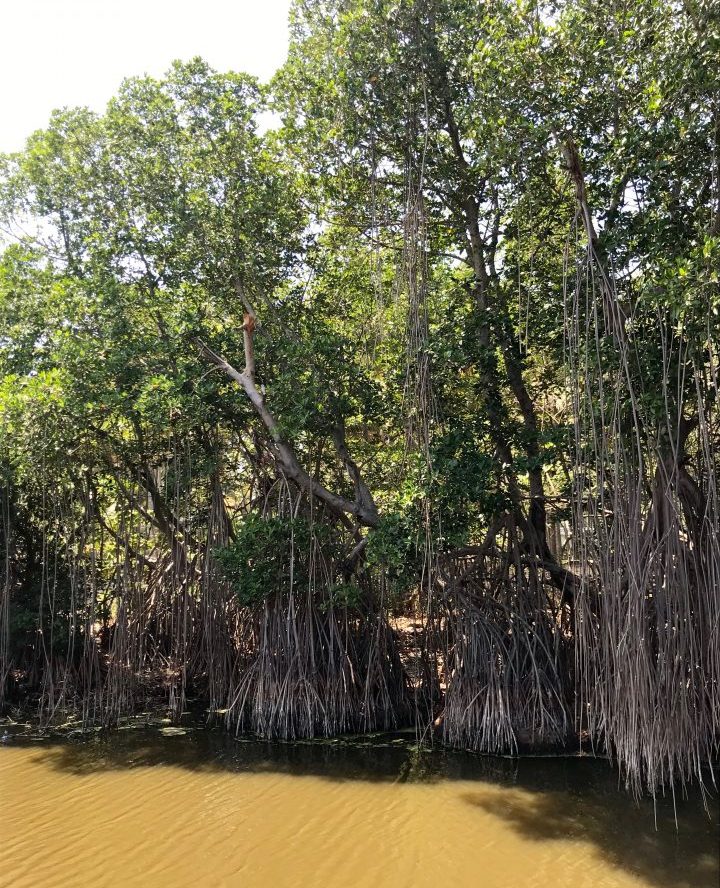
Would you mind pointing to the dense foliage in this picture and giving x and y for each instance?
(441, 343)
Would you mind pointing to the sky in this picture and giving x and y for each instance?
(58, 53)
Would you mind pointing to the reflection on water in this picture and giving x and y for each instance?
(202, 809)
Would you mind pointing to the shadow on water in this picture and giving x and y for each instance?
(544, 799)
(685, 856)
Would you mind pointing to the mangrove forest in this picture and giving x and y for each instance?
(380, 396)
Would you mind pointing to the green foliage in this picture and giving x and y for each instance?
(269, 556)
(138, 229)
(395, 548)
(343, 595)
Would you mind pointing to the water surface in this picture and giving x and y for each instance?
(143, 808)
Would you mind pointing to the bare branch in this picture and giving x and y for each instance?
(365, 510)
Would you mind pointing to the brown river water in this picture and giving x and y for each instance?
(147, 808)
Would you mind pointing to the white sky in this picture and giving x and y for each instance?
(57, 53)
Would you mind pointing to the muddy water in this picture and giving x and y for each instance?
(200, 809)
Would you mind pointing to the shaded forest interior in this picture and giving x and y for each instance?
(400, 410)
